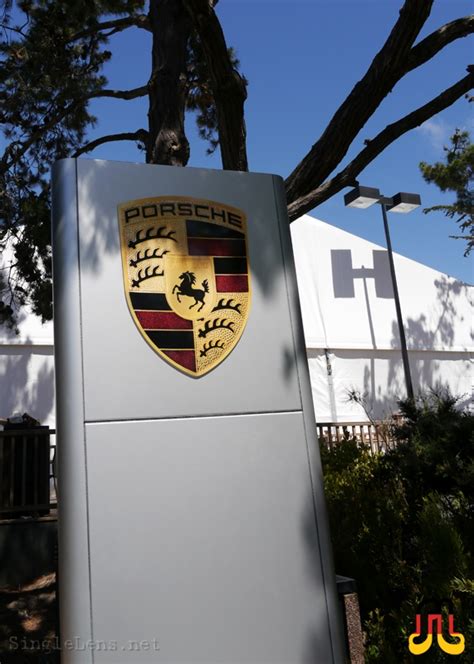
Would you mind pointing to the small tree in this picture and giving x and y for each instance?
(456, 174)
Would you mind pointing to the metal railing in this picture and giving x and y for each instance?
(377, 435)
(27, 472)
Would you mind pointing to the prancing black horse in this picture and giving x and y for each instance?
(188, 279)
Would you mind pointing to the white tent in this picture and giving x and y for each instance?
(27, 369)
(350, 327)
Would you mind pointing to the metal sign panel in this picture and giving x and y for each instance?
(192, 520)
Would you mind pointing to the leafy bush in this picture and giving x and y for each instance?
(402, 525)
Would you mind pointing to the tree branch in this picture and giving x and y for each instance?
(392, 132)
(15, 151)
(120, 94)
(116, 25)
(437, 40)
(228, 87)
(6, 27)
(387, 68)
(139, 135)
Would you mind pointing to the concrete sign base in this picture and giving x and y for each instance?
(192, 520)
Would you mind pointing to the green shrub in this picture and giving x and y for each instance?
(402, 525)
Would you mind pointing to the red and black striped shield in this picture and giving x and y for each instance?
(186, 277)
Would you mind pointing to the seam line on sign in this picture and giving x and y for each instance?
(81, 335)
(308, 455)
(195, 417)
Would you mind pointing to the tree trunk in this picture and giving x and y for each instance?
(228, 86)
(170, 26)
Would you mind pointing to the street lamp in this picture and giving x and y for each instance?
(402, 203)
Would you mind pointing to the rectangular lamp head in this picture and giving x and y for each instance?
(404, 203)
(362, 197)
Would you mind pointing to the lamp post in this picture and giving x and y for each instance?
(363, 197)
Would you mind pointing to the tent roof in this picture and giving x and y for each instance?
(347, 298)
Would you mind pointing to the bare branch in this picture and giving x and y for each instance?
(374, 147)
(120, 94)
(388, 66)
(228, 87)
(437, 40)
(6, 27)
(139, 135)
(116, 25)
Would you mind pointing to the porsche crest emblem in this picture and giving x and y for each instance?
(186, 277)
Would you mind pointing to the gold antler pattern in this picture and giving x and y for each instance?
(149, 235)
(143, 276)
(216, 324)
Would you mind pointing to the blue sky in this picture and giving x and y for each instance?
(302, 58)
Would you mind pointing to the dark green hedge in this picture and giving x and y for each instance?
(402, 525)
